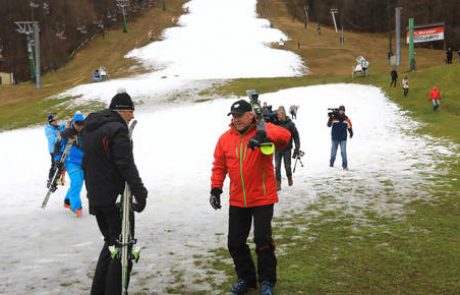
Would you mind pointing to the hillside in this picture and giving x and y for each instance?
(64, 27)
(21, 104)
(323, 53)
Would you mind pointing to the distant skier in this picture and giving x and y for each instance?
(293, 111)
(109, 163)
(285, 153)
(435, 96)
(340, 123)
(52, 131)
(394, 77)
(252, 196)
(73, 162)
(405, 85)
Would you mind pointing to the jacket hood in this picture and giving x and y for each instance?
(96, 120)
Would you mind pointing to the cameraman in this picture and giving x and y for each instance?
(340, 123)
(285, 122)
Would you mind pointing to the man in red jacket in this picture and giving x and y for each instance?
(252, 195)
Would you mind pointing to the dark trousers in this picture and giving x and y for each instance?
(280, 155)
(293, 115)
(107, 278)
(50, 174)
(393, 82)
(406, 91)
(239, 225)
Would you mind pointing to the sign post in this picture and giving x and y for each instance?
(398, 35)
(411, 45)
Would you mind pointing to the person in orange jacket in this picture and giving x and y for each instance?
(252, 195)
(435, 96)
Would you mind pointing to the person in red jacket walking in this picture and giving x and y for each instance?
(252, 195)
(435, 96)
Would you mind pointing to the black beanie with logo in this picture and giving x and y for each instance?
(122, 102)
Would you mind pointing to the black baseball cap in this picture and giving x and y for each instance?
(240, 107)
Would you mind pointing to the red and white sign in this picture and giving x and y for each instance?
(427, 34)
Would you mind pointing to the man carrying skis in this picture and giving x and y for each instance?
(72, 163)
(252, 195)
(285, 153)
(52, 131)
(109, 163)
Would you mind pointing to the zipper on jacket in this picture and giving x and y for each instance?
(263, 182)
(241, 172)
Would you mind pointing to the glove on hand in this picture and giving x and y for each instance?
(256, 140)
(214, 199)
(295, 154)
(139, 205)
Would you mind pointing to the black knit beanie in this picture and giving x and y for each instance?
(121, 102)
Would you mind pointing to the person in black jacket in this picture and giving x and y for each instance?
(394, 77)
(108, 163)
(286, 122)
(449, 55)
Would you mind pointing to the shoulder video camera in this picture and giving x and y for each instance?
(333, 112)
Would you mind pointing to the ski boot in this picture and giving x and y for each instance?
(79, 212)
(67, 204)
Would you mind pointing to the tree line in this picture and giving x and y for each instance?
(64, 26)
(378, 15)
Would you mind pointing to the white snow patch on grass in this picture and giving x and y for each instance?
(173, 148)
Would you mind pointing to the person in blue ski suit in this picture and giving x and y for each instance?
(73, 162)
(52, 131)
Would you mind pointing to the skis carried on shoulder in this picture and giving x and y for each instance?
(58, 168)
(266, 147)
(127, 241)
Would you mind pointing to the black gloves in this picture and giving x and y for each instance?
(256, 140)
(214, 199)
(295, 154)
(351, 132)
(139, 205)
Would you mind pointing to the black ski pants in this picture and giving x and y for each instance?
(280, 155)
(50, 174)
(393, 82)
(240, 220)
(107, 278)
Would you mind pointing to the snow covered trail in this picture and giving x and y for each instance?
(52, 252)
(216, 40)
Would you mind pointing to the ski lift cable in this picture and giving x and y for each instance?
(352, 23)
